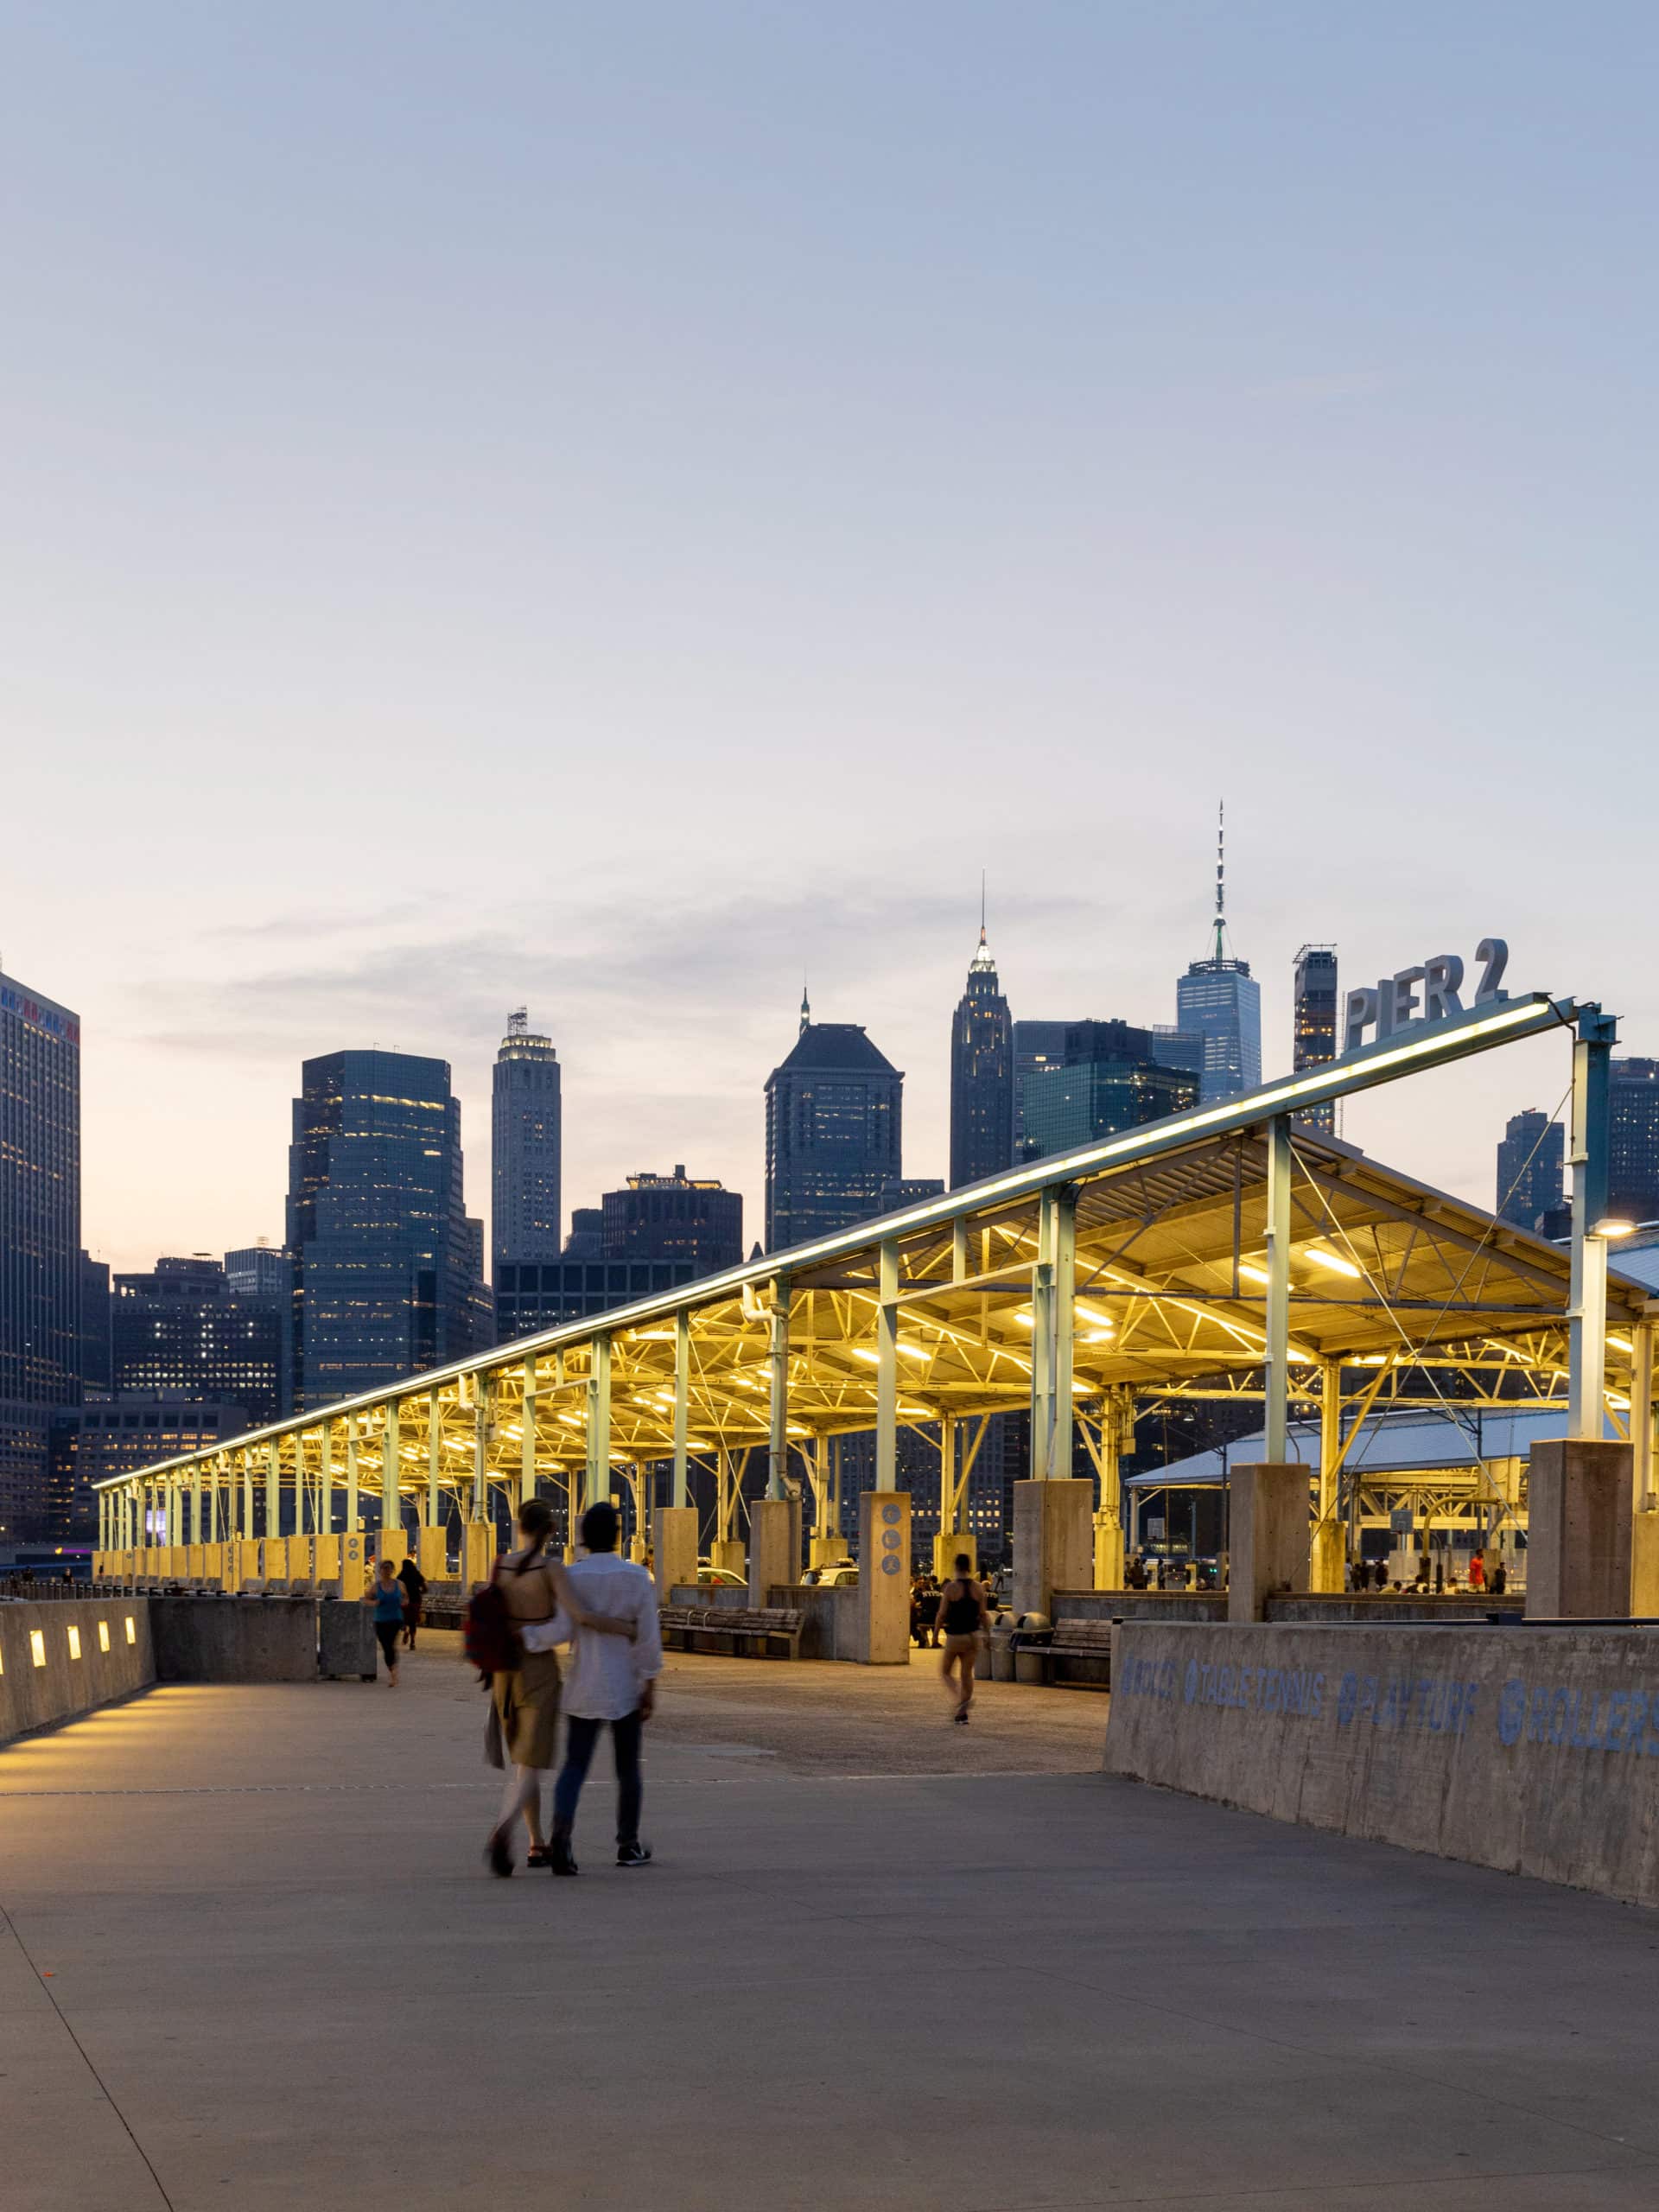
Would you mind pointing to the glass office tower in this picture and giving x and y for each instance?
(40, 1246)
(981, 1075)
(1220, 1001)
(525, 1142)
(384, 1280)
(835, 1110)
(1530, 1170)
(1109, 1077)
(1313, 1039)
(1633, 1155)
(180, 1328)
(674, 1217)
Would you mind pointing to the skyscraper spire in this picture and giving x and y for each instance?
(806, 1008)
(982, 959)
(1221, 879)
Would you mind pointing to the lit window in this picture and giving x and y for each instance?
(37, 1646)
(74, 1643)
(102, 1636)
(132, 1633)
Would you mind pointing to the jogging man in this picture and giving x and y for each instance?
(611, 1679)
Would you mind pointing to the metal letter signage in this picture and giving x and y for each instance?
(1395, 1005)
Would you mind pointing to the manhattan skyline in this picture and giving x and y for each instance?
(454, 563)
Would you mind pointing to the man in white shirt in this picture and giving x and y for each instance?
(612, 1678)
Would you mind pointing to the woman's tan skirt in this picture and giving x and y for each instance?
(527, 1705)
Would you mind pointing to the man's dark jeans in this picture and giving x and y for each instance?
(580, 1737)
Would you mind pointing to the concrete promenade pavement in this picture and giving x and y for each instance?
(250, 1958)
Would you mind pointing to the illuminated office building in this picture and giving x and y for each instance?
(384, 1282)
(673, 1218)
(1218, 1001)
(41, 1351)
(178, 1329)
(1314, 1034)
(982, 1074)
(835, 1111)
(1530, 1160)
(526, 1146)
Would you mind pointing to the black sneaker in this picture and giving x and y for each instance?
(633, 1855)
(560, 1857)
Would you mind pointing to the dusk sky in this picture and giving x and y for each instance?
(609, 508)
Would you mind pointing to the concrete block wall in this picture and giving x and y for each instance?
(1535, 1751)
(89, 1652)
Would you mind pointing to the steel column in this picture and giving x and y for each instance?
(326, 1479)
(391, 1469)
(778, 1391)
(681, 1493)
(273, 1488)
(1587, 1327)
(886, 1367)
(483, 1425)
(597, 1476)
(1327, 1562)
(1642, 1415)
(434, 1458)
(1063, 1260)
(1276, 1366)
(353, 1510)
(527, 1433)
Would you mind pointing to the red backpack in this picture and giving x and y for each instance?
(489, 1641)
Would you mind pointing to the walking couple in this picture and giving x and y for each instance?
(606, 1608)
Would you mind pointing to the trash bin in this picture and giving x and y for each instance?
(1030, 1661)
(1001, 1650)
(345, 1642)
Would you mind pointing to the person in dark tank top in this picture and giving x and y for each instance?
(962, 1620)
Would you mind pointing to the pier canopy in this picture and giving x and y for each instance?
(1232, 1251)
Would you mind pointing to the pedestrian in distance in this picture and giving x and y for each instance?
(529, 1609)
(1477, 1571)
(921, 1609)
(389, 1598)
(413, 1584)
(612, 1684)
(962, 1618)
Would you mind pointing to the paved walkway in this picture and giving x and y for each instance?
(252, 1960)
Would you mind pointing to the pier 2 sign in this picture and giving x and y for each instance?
(1392, 1004)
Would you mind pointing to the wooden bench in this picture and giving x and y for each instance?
(733, 1633)
(1090, 1640)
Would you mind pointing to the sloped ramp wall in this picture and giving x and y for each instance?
(1533, 1750)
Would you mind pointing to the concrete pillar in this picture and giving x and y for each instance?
(729, 1553)
(772, 1526)
(674, 1541)
(884, 1577)
(946, 1548)
(1268, 1535)
(479, 1560)
(434, 1545)
(1054, 1542)
(1579, 1529)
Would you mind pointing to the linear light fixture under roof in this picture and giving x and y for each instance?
(1434, 1045)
